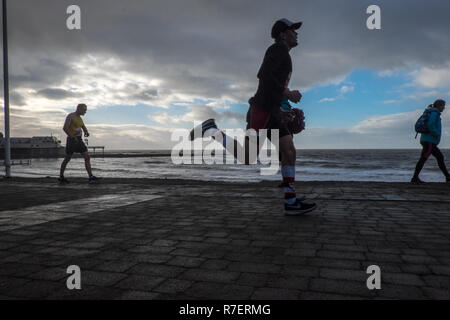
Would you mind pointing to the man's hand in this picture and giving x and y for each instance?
(86, 134)
(294, 95)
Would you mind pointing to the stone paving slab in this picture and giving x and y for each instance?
(14, 219)
(174, 239)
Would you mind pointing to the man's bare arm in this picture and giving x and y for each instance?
(67, 125)
(85, 130)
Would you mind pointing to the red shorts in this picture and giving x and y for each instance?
(258, 118)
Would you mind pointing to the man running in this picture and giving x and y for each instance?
(73, 127)
(266, 111)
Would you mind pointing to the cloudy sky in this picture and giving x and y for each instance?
(146, 68)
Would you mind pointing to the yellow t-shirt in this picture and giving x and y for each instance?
(75, 126)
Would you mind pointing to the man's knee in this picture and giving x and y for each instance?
(288, 158)
(86, 156)
(288, 152)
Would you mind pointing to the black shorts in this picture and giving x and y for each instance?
(75, 145)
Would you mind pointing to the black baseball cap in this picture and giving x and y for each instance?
(282, 25)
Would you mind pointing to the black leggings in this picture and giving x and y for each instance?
(431, 148)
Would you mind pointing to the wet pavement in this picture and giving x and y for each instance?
(173, 239)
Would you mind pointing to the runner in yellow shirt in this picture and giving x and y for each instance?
(74, 128)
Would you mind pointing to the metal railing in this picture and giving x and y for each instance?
(21, 162)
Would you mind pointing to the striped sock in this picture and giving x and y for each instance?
(288, 173)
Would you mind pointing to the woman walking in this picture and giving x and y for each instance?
(429, 141)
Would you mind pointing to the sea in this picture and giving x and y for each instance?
(382, 165)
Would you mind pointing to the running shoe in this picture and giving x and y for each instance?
(416, 180)
(205, 125)
(93, 179)
(63, 180)
(298, 208)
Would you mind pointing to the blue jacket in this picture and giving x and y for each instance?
(434, 124)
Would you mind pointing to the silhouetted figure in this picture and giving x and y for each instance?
(430, 141)
(270, 109)
(74, 128)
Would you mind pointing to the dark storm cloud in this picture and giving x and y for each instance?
(208, 112)
(204, 47)
(27, 70)
(15, 98)
(56, 94)
(145, 95)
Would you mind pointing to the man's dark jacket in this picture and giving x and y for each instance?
(273, 76)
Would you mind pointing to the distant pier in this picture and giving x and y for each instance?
(94, 148)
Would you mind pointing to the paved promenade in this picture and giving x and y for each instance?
(166, 239)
